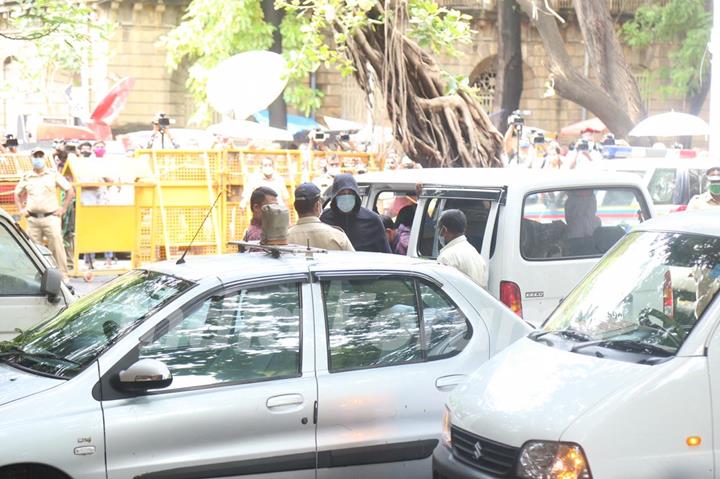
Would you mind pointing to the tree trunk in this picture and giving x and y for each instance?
(433, 128)
(606, 56)
(277, 111)
(509, 80)
(568, 82)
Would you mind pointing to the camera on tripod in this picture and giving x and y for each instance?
(10, 141)
(163, 120)
(517, 118)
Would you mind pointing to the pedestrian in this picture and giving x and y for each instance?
(260, 197)
(309, 230)
(710, 200)
(85, 149)
(363, 227)
(161, 138)
(330, 171)
(99, 149)
(36, 198)
(268, 178)
(403, 227)
(457, 251)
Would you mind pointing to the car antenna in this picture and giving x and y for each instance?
(181, 260)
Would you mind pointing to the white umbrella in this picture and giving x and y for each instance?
(249, 130)
(671, 124)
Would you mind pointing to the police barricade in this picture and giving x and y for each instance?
(103, 220)
(150, 207)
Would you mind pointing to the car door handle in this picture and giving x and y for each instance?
(285, 402)
(448, 383)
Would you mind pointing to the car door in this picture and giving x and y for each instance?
(243, 394)
(22, 301)
(391, 348)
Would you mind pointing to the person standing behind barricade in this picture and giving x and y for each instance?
(260, 197)
(268, 179)
(36, 198)
(309, 230)
(363, 227)
(330, 171)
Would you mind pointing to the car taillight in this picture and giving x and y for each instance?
(510, 296)
(668, 295)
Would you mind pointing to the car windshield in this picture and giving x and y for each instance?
(65, 344)
(644, 297)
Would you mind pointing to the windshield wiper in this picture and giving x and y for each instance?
(14, 351)
(625, 345)
(565, 333)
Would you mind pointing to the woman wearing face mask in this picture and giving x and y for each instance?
(364, 227)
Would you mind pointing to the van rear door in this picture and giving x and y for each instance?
(480, 206)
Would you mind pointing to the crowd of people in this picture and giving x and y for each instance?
(346, 225)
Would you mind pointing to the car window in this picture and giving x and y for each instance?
(390, 203)
(447, 331)
(697, 182)
(246, 335)
(662, 186)
(377, 322)
(476, 211)
(576, 223)
(18, 274)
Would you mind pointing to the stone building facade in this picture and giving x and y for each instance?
(133, 51)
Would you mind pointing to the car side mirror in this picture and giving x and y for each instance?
(51, 284)
(143, 375)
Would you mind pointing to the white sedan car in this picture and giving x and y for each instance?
(335, 365)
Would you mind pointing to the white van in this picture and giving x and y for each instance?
(31, 289)
(536, 248)
(623, 381)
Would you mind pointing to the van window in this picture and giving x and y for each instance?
(477, 213)
(575, 223)
(662, 186)
(390, 203)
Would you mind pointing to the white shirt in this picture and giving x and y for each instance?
(463, 256)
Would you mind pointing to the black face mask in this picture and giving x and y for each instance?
(86, 154)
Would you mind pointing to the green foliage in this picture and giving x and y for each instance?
(53, 36)
(685, 22)
(314, 33)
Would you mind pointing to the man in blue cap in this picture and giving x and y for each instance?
(309, 230)
(363, 227)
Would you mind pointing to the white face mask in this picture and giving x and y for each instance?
(267, 170)
(345, 203)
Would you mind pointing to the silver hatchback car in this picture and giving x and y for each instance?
(336, 365)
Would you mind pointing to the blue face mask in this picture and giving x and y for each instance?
(345, 203)
(38, 163)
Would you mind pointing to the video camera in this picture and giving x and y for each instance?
(10, 141)
(318, 136)
(517, 118)
(163, 120)
(582, 145)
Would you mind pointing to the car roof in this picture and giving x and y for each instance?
(701, 222)
(648, 163)
(5, 215)
(499, 177)
(239, 266)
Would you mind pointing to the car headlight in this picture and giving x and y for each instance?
(552, 460)
(446, 436)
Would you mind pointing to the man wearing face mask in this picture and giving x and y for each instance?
(309, 230)
(710, 200)
(330, 171)
(36, 198)
(85, 149)
(267, 179)
(457, 251)
(363, 227)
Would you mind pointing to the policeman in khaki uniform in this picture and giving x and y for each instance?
(309, 229)
(711, 198)
(38, 190)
